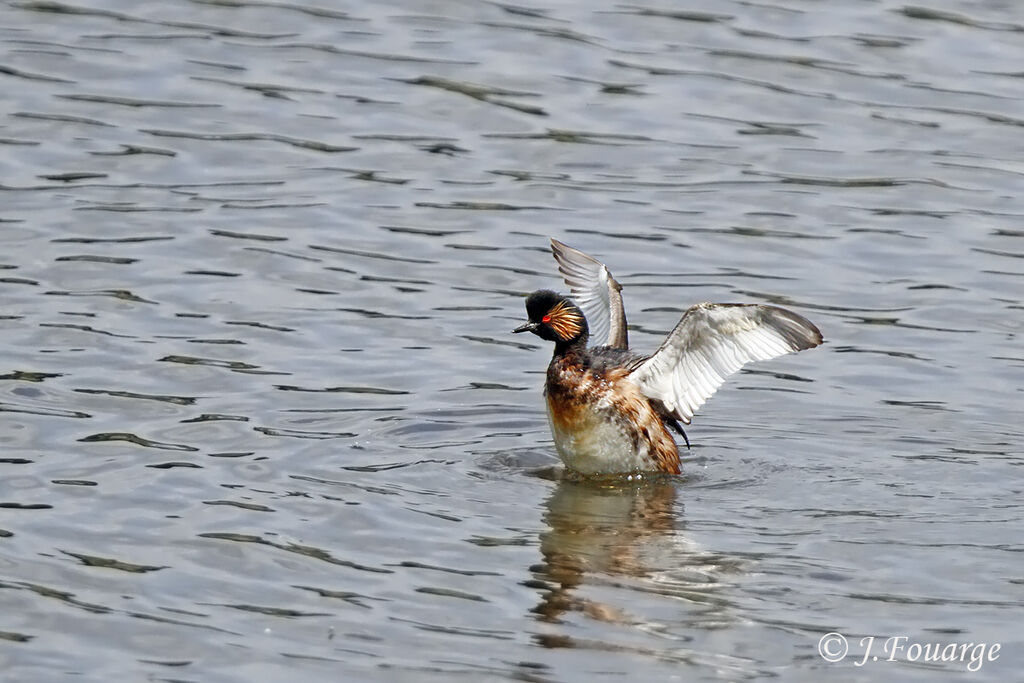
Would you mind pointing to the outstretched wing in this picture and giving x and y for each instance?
(596, 292)
(711, 342)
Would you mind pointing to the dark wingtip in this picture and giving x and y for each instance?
(558, 249)
(674, 424)
(799, 332)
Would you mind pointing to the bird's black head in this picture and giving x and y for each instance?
(554, 317)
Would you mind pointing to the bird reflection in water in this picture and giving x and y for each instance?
(601, 528)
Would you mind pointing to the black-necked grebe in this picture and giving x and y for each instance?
(610, 409)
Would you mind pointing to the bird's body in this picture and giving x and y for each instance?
(610, 410)
(600, 420)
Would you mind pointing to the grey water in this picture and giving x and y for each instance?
(262, 418)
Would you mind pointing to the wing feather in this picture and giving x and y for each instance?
(713, 341)
(596, 292)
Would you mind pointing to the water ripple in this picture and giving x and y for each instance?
(261, 402)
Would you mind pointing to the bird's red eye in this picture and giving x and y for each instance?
(546, 319)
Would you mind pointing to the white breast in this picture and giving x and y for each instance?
(592, 443)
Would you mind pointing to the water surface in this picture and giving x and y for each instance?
(262, 416)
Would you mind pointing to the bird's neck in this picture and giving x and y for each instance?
(572, 346)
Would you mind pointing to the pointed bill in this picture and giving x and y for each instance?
(596, 292)
(711, 342)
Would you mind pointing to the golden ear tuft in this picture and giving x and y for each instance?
(565, 320)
